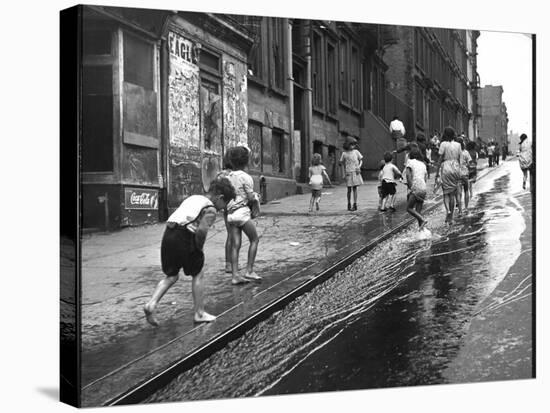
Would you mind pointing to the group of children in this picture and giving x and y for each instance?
(232, 191)
(415, 174)
(186, 229)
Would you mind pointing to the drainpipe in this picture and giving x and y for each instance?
(308, 113)
(290, 87)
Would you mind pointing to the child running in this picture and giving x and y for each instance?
(379, 187)
(316, 174)
(182, 246)
(239, 215)
(416, 174)
(390, 173)
(464, 161)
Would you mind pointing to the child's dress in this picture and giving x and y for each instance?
(351, 160)
(418, 184)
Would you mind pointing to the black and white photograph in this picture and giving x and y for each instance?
(289, 209)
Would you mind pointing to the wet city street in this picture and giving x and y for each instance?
(452, 308)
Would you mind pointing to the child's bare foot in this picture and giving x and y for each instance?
(252, 276)
(237, 279)
(204, 317)
(149, 315)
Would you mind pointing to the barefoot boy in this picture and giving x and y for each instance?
(182, 245)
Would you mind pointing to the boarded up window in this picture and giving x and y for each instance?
(97, 119)
(255, 145)
(278, 150)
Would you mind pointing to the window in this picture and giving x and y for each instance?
(97, 42)
(97, 100)
(419, 105)
(355, 89)
(317, 71)
(331, 78)
(277, 54)
(209, 60)
(278, 150)
(97, 119)
(344, 70)
(138, 62)
(255, 144)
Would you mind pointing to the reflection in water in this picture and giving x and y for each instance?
(394, 317)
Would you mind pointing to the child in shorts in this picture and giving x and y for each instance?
(316, 173)
(239, 215)
(416, 174)
(182, 246)
(379, 187)
(390, 173)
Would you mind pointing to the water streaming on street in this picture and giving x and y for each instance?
(394, 317)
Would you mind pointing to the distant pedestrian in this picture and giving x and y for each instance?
(465, 160)
(316, 174)
(397, 131)
(472, 166)
(240, 215)
(416, 174)
(496, 154)
(351, 161)
(390, 174)
(447, 172)
(182, 246)
(491, 153)
(525, 155)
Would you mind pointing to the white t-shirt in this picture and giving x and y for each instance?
(191, 210)
(397, 125)
(390, 172)
(244, 189)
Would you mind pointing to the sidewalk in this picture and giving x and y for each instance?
(297, 250)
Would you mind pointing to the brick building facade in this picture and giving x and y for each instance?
(165, 93)
(433, 72)
(494, 115)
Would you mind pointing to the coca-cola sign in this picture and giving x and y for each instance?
(137, 198)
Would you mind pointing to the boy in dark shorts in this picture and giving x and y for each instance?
(182, 246)
(389, 174)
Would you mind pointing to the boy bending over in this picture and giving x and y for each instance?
(182, 246)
